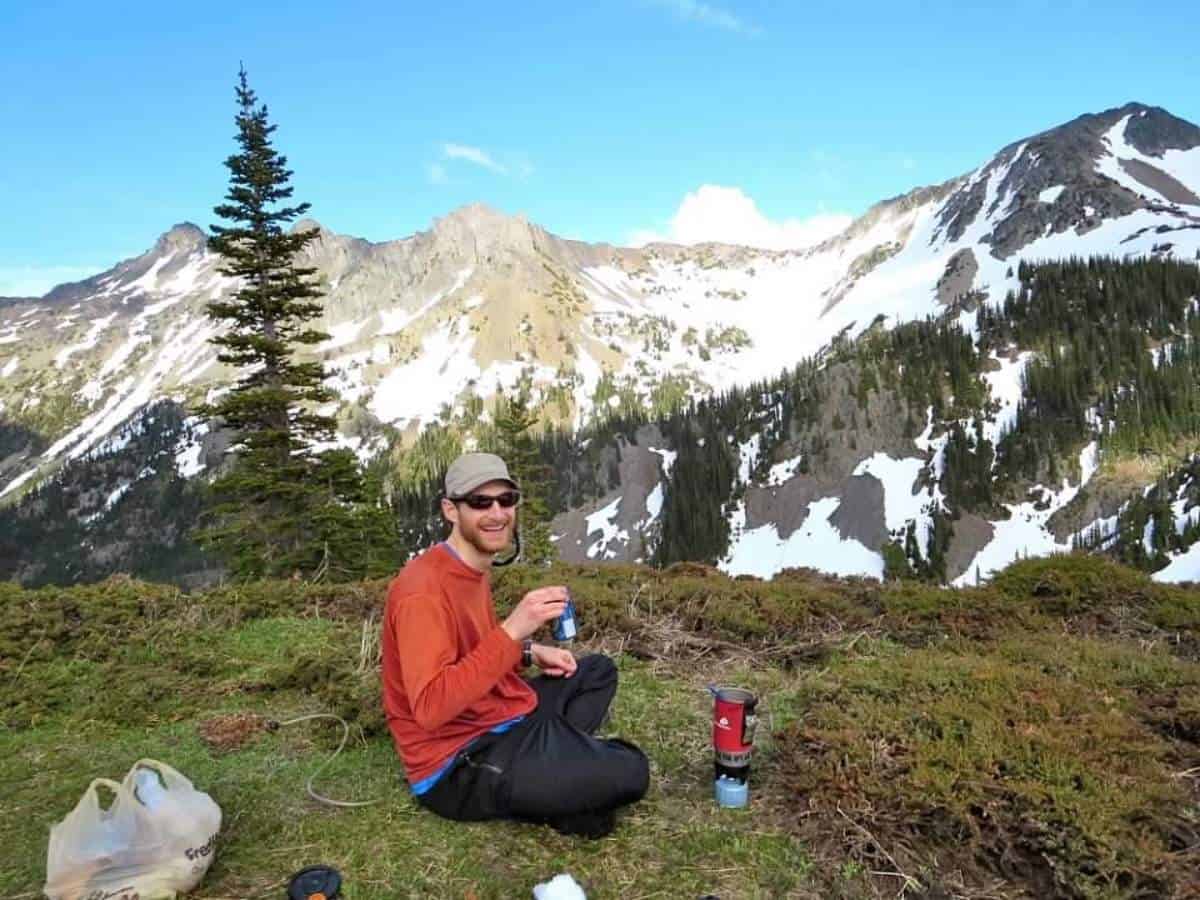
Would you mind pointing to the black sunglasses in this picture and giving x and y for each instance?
(507, 500)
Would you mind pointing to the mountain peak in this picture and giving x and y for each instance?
(184, 235)
(309, 224)
(477, 217)
(480, 230)
(1153, 130)
(1096, 167)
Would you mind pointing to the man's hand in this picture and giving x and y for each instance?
(535, 609)
(554, 661)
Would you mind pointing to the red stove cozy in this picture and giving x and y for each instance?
(734, 721)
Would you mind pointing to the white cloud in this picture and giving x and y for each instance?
(34, 281)
(473, 155)
(694, 11)
(437, 174)
(727, 215)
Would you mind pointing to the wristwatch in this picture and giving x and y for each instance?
(527, 653)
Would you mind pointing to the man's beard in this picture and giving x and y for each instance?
(486, 542)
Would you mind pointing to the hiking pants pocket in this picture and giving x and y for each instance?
(475, 788)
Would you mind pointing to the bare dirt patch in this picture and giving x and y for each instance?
(224, 734)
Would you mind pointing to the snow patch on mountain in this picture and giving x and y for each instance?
(346, 376)
(189, 455)
(668, 458)
(116, 495)
(1026, 532)
(1184, 517)
(18, 481)
(1050, 194)
(149, 280)
(654, 503)
(777, 301)
(935, 447)
(1184, 165)
(117, 441)
(87, 343)
(122, 354)
(184, 283)
(1184, 567)
(392, 321)
(1128, 237)
(1005, 387)
(817, 544)
(504, 376)
(654, 500)
(604, 521)
(416, 390)
(110, 501)
(784, 471)
(364, 450)
(199, 358)
(899, 477)
(748, 457)
(132, 393)
(340, 335)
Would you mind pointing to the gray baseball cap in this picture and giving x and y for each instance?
(471, 470)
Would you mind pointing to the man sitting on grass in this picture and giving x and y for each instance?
(477, 740)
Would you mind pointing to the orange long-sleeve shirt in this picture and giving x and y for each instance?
(450, 672)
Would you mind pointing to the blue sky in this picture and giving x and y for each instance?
(599, 120)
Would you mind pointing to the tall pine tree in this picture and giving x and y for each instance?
(289, 504)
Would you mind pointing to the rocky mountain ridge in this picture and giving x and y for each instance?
(481, 301)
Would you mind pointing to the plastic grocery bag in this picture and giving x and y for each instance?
(155, 840)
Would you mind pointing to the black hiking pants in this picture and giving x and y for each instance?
(549, 768)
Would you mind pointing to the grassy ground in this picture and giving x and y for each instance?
(1036, 738)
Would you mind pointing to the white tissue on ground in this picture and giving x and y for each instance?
(560, 887)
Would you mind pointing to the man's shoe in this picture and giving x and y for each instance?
(587, 824)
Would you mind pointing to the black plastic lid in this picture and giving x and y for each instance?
(315, 880)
